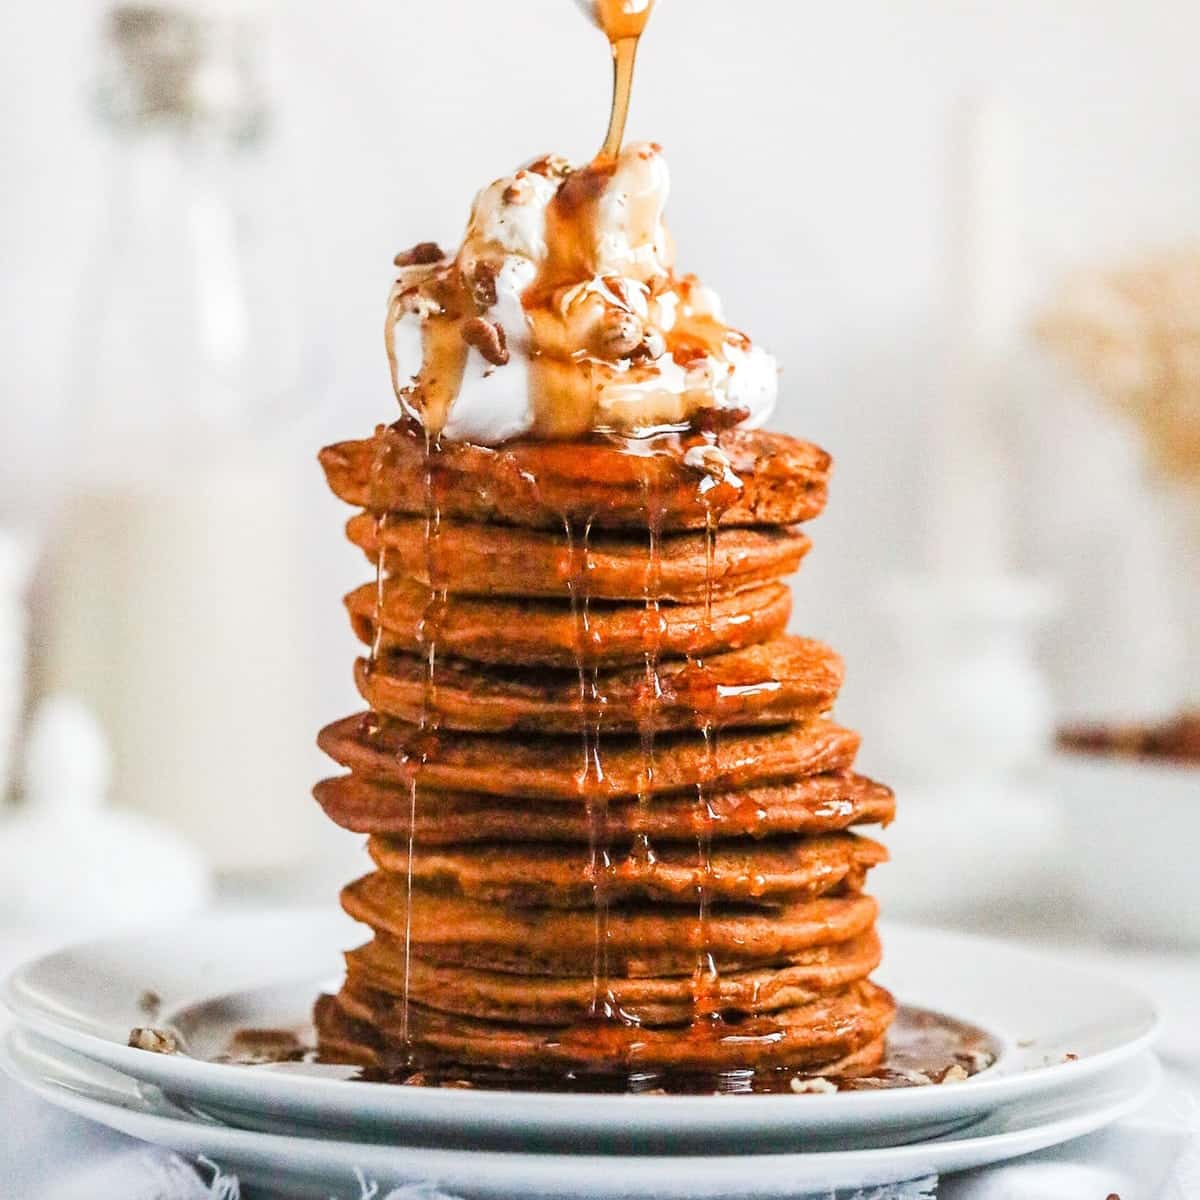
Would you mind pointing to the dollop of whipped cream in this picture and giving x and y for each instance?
(561, 315)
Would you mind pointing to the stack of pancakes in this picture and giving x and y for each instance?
(608, 811)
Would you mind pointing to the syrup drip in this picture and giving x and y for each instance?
(381, 462)
(444, 351)
(623, 23)
(923, 1049)
(624, 58)
(427, 632)
(591, 781)
(706, 979)
(652, 630)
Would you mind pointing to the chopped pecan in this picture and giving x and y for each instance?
(488, 338)
(685, 353)
(445, 290)
(617, 335)
(156, 1041)
(483, 284)
(422, 254)
(549, 165)
(653, 347)
(714, 420)
(518, 191)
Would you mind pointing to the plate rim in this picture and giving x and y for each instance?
(176, 1071)
(1081, 1120)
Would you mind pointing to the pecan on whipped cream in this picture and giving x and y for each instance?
(561, 314)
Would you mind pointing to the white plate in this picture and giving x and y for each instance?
(325, 1167)
(264, 970)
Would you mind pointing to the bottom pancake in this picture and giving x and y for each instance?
(643, 940)
(812, 1035)
(498, 996)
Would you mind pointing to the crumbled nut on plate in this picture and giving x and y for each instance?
(156, 1041)
(956, 1074)
(817, 1086)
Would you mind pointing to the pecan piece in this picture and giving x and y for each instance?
(420, 255)
(617, 335)
(483, 284)
(488, 338)
(653, 347)
(715, 420)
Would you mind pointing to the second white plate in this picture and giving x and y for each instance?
(1059, 1028)
(325, 1167)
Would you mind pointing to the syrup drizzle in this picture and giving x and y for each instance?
(652, 629)
(428, 725)
(924, 1048)
(623, 22)
(706, 982)
(591, 781)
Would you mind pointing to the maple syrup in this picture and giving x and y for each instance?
(623, 23)
(924, 1048)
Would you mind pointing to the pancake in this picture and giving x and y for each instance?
(815, 804)
(496, 996)
(779, 480)
(391, 751)
(834, 1025)
(505, 560)
(644, 940)
(777, 682)
(744, 870)
(344, 1039)
(549, 633)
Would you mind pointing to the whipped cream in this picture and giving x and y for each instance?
(561, 314)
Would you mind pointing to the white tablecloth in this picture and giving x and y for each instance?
(1155, 1155)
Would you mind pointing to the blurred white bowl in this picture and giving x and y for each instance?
(1133, 828)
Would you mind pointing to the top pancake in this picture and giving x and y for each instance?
(772, 479)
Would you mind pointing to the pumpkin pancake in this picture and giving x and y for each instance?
(345, 1039)
(506, 560)
(644, 940)
(742, 870)
(551, 633)
(814, 804)
(392, 751)
(496, 996)
(835, 1024)
(772, 479)
(774, 683)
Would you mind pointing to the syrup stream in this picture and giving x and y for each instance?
(706, 980)
(591, 781)
(623, 23)
(624, 52)
(431, 619)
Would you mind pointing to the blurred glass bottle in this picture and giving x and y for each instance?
(173, 606)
